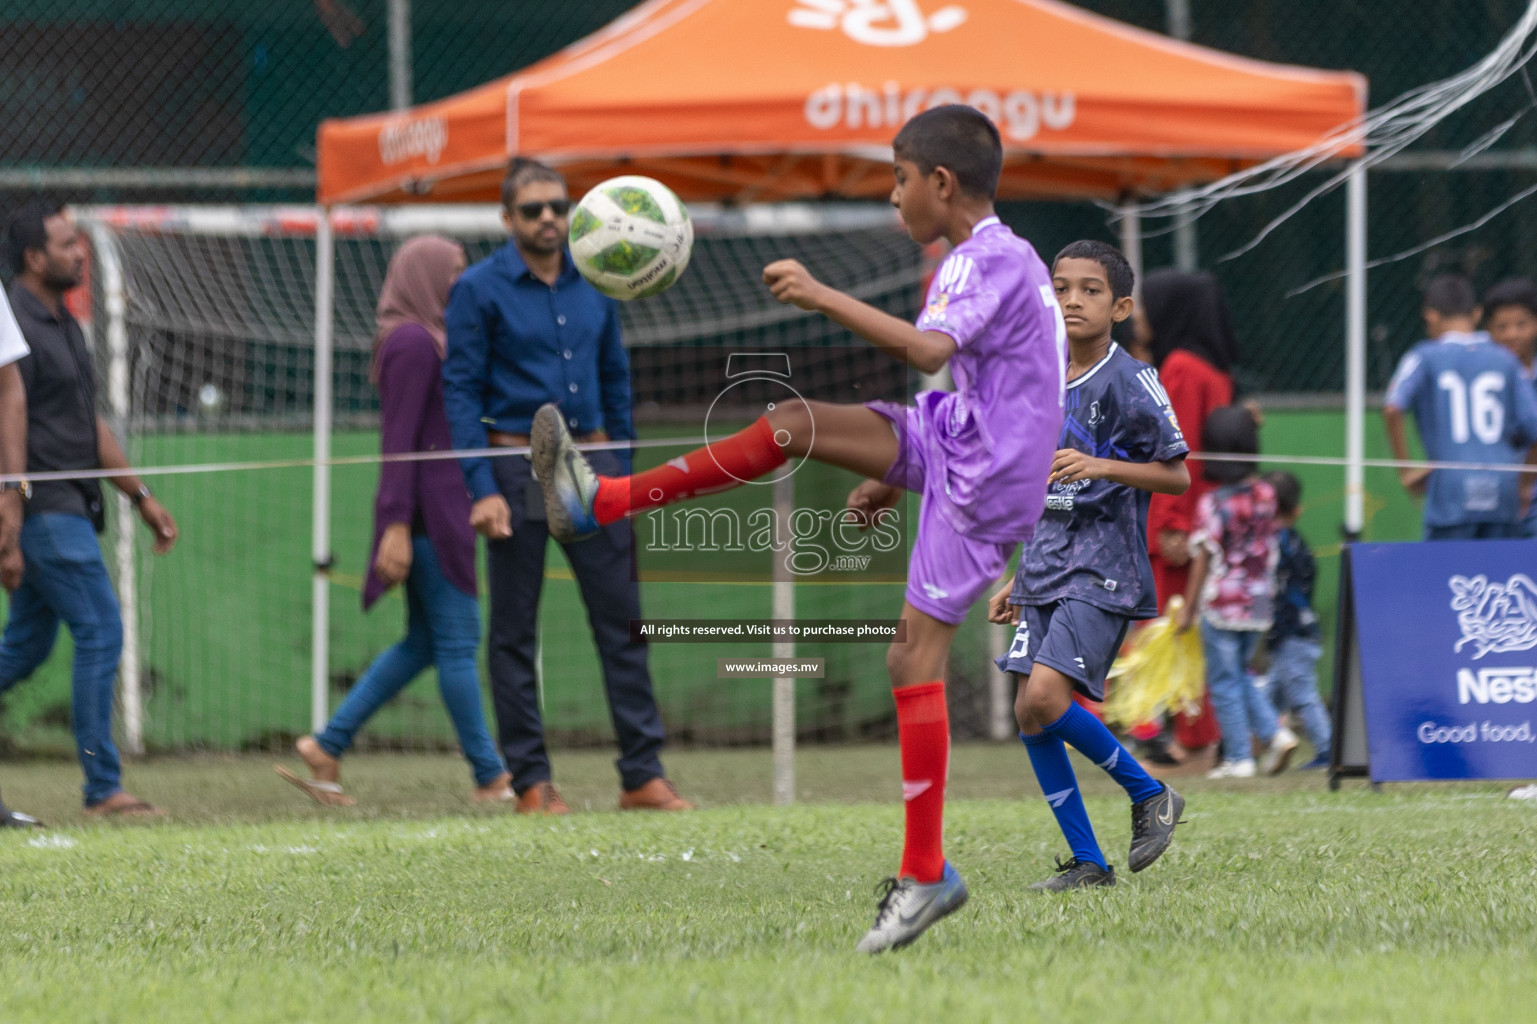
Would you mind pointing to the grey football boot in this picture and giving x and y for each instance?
(1152, 827)
(1076, 874)
(908, 907)
(570, 486)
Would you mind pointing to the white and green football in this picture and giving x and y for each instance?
(631, 237)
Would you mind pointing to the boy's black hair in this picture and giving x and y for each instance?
(956, 137)
(1288, 491)
(25, 229)
(1513, 291)
(521, 172)
(1118, 272)
(1230, 430)
(1450, 295)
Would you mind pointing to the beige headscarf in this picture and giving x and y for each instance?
(416, 290)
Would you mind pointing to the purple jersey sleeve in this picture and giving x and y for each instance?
(960, 302)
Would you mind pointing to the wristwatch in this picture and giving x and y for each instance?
(22, 486)
(137, 497)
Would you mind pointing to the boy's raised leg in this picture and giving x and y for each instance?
(578, 502)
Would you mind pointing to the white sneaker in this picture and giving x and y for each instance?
(1279, 753)
(1528, 792)
(1242, 769)
(907, 908)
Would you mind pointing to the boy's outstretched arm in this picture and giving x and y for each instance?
(925, 351)
(1169, 477)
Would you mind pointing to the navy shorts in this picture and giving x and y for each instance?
(1073, 637)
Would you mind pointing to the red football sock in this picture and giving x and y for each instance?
(745, 455)
(923, 729)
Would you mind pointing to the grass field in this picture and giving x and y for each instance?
(1280, 901)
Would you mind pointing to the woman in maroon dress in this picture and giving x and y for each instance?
(422, 534)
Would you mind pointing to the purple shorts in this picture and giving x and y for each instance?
(948, 572)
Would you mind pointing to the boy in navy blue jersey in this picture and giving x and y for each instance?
(1295, 642)
(1085, 575)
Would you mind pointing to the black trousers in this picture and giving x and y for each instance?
(603, 569)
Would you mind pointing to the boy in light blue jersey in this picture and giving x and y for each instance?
(1085, 575)
(1510, 317)
(1470, 404)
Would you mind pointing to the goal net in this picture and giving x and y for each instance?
(204, 329)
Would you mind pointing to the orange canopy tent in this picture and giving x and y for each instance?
(781, 99)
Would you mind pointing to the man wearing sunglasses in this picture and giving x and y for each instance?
(524, 328)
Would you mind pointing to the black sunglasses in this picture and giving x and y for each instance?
(532, 211)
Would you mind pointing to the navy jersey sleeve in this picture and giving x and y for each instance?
(1152, 430)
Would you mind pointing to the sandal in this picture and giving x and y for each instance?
(131, 807)
(327, 793)
(498, 790)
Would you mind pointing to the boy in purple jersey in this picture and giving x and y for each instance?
(1086, 575)
(979, 456)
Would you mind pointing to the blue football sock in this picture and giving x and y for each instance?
(1088, 735)
(1055, 774)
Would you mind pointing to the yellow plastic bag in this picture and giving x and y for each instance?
(1162, 671)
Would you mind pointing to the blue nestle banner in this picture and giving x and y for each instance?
(1447, 634)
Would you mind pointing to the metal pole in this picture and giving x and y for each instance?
(1131, 241)
(1177, 17)
(1001, 723)
(1355, 349)
(784, 610)
(400, 54)
(1187, 255)
(320, 590)
(128, 672)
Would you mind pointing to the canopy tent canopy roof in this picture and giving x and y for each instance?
(760, 100)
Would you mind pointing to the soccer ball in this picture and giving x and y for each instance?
(631, 237)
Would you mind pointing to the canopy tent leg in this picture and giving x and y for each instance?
(1355, 350)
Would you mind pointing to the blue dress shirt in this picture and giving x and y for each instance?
(515, 343)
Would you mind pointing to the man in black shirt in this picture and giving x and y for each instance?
(64, 578)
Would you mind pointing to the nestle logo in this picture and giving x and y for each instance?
(1497, 685)
(423, 137)
(1495, 617)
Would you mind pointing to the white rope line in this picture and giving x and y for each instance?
(1422, 247)
(345, 460)
(669, 442)
(1382, 133)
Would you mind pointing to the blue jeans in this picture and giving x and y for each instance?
(442, 629)
(66, 581)
(1294, 687)
(1242, 709)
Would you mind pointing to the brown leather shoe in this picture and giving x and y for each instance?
(656, 795)
(542, 798)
